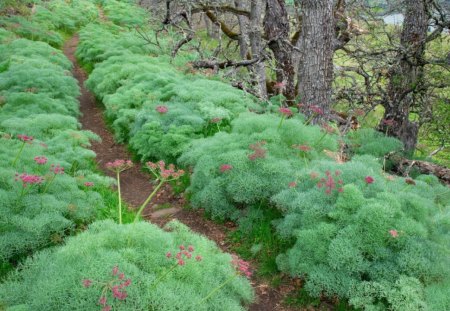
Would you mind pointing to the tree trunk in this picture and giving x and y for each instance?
(276, 28)
(316, 63)
(255, 42)
(406, 77)
(243, 29)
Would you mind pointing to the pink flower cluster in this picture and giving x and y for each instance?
(161, 171)
(330, 183)
(184, 255)
(258, 151)
(393, 233)
(286, 112)
(215, 120)
(57, 169)
(41, 160)
(225, 167)
(89, 184)
(316, 109)
(117, 286)
(162, 109)
(29, 179)
(241, 266)
(25, 138)
(304, 148)
(369, 180)
(119, 165)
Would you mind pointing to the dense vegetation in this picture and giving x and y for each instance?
(50, 188)
(350, 229)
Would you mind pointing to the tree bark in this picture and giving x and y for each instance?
(405, 78)
(255, 42)
(316, 63)
(243, 29)
(276, 29)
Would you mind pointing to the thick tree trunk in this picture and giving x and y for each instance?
(276, 29)
(316, 63)
(406, 77)
(243, 29)
(255, 42)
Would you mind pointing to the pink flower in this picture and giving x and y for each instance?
(369, 179)
(121, 295)
(102, 300)
(25, 138)
(87, 283)
(182, 247)
(162, 172)
(119, 165)
(115, 270)
(121, 276)
(279, 85)
(341, 190)
(40, 160)
(285, 111)
(393, 233)
(162, 109)
(241, 266)
(178, 256)
(57, 169)
(181, 262)
(168, 254)
(258, 151)
(190, 248)
(225, 167)
(126, 283)
(304, 148)
(215, 120)
(292, 184)
(316, 109)
(388, 122)
(29, 179)
(89, 184)
(107, 308)
(198, 258)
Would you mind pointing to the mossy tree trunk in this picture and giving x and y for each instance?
(405, 89)
(276, 29)
(315, 74)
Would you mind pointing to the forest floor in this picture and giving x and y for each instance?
(135, 187)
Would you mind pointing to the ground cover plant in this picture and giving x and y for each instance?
(383, 239)
(173, 270)
(258, 159)
(47, 186)
(157, 108)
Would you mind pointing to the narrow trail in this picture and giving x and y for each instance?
(136, 187)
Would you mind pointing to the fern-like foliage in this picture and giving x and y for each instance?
(369, 141)
(53, 279)
(378, 241)
(258, 159)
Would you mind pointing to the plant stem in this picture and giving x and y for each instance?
(139, 212)
(18, 154)
(218, 288)
(281, 122)
(161, 277)
(120, 197)
(48, 184)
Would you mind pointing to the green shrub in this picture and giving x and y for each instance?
(29, 29)
(65, 15)
(125, 13)
(38, 98)
(378, 242)
(260, 157)
(371, 142)
(53, 279)
(132, 93)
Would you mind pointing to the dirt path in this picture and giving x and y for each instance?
(135, 186)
